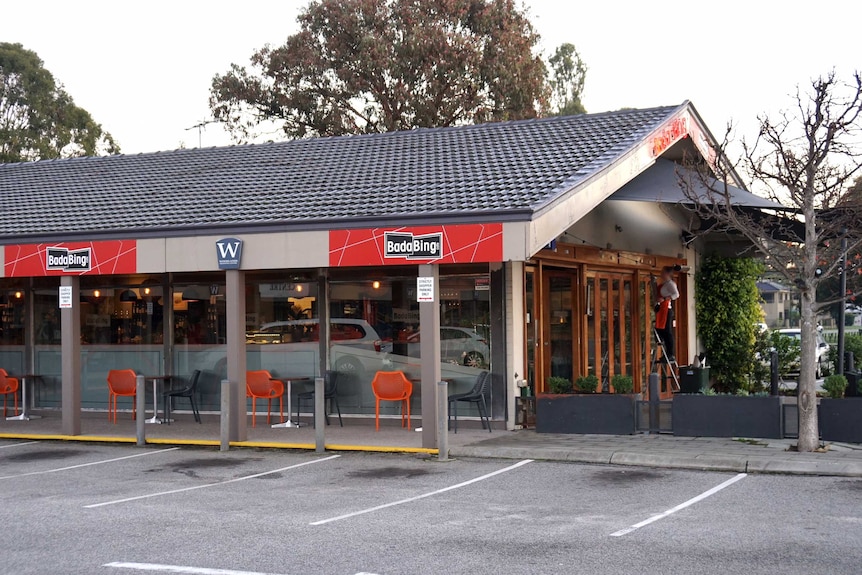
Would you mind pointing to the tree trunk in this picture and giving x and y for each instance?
(809, 436)
(806, 388)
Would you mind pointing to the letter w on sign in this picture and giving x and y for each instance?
(229, 253)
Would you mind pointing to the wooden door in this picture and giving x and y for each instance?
(559, 345)
(611, 339)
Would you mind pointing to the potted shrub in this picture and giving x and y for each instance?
(835, 386)
(623, 384)
(559, 385)
(577, 408)
(586, 384)
(840, 418)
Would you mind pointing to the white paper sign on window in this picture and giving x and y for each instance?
(424, 290)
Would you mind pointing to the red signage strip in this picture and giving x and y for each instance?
(71, 258)
(669, 134)
(462, 244)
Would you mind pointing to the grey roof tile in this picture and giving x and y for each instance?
(466, 171)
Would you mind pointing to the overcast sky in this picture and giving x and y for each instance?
(143, 69)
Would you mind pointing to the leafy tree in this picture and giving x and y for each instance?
(38, 119)
(728, 311)
(567, 83)
(852, 343)
(853, 196)
(365, 66)
(807, 158)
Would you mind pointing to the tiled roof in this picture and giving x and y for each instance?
(770, 286)
(462, 173)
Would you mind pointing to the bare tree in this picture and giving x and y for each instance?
(805, 159)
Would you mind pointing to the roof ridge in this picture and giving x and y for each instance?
(422, 130)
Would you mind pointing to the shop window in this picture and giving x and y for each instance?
(13, 322)
(199, 314)
(13, 315)
(122, 327)
(282, 327)
(375, 326)
(199, 332)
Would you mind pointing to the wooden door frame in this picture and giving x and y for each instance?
(609, 275)
(580, 270)
(543, 356)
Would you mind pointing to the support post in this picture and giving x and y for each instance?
(236, 364)
(70, 350)
(323, 318)
(429, 326)
(30, 330)
(654, 422)
(773, 373)
(842, 310)
(168, 325)
(319, 415)
(141, 407)
(224, 421)
(443, 420)
(319, 382)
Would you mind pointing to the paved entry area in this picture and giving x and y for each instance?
(115, 510)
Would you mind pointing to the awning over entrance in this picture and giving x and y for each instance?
(661, 183)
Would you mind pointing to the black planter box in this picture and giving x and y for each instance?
(693, 379)
(611, 414)
(841, 419)
(726, 416)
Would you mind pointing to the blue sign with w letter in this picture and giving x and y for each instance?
(229, 253)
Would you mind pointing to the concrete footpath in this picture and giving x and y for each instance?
(667, 451)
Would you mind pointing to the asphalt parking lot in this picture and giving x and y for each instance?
(105, 509)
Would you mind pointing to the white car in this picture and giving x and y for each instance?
(460, 345)
(356, 346)
(821, 351)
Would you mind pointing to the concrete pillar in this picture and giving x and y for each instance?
(70, 360)
(236, 365)
(429, 327)
(323, 337)
(168, 324)
(691, 257)
(323, 318)
(30, 330)
(513, 340)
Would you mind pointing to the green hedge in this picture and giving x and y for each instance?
(728, 311)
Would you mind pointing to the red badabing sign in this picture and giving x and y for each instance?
(71, 258)
(461, 244)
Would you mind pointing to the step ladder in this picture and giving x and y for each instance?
(664, 360)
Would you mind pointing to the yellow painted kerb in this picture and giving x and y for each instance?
(216, 443)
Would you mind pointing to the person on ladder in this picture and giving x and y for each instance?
(667, 292)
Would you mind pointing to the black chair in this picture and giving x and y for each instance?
(330, 392)
(188, 391)
(478, 395)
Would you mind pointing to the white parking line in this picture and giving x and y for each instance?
(179, 569)
(424, 495)
(187, 570)
(17, 444)
(680, 507)
(89, 464)
(204, 486)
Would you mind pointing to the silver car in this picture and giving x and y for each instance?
(356, 346)
(460, 345)
(821, 351)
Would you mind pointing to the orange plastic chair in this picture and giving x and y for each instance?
(121, 382)
(261, 384)
(392, 386)
(8, 385)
